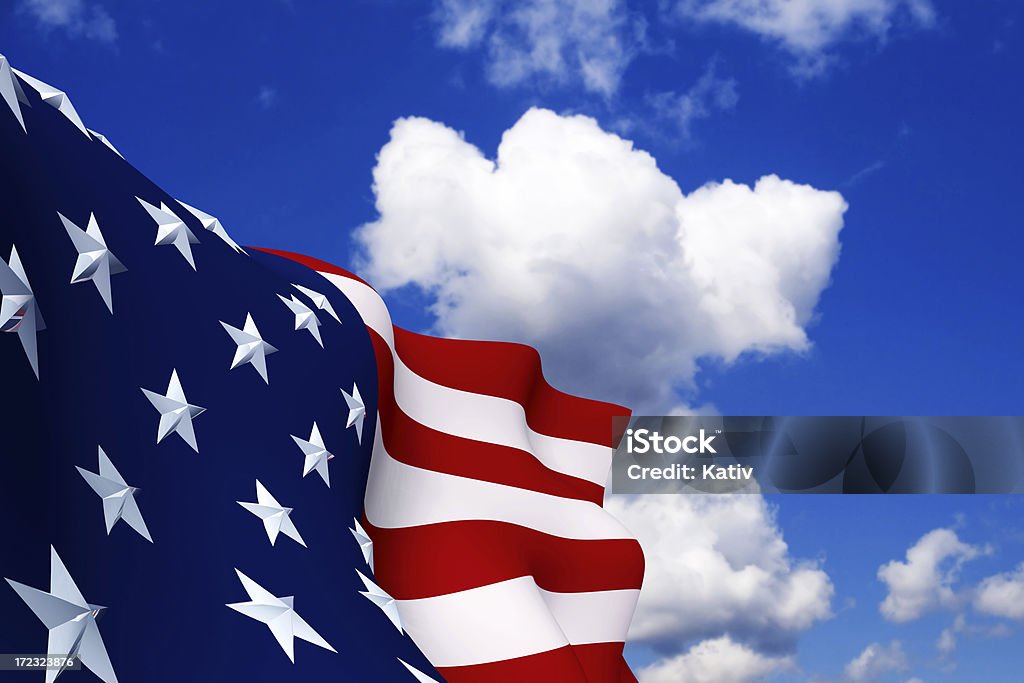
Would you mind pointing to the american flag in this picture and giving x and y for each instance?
(227, 464)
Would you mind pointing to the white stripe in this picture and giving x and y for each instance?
(469, 415)
(477, 626)
(400, 495)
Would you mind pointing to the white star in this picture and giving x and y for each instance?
(319, 300)
(171, 230)
(11, 92)
(416, 673)
(317, 455)
(377, 596)
(70, 619)
(106, 143)
(279, 615)
(176, 413)
(305, 318)
(212, 224)
(95, 262)
(18, 309)
(364, 541)
(276, 519)
(118, 497)
(356, 411)
(55, 98)
(251, 347)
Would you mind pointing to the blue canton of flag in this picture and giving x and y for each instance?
(186, 440)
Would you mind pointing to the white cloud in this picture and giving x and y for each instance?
(924, 582)
(266, 97)
(593, 42)
(946, 643)
(948, 639)
(808, 28)
(709, 94)
(586, 41)
(1002, 595)
(719, 564)
(463, 23)
(720, 660)
(876, 660)
(577, 243)
(74, 17)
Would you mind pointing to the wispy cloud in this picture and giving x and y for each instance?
(709, 94)
(592, 43)
(947, 641)
(875, 661)
(863, 173)
(266, 97)
(809, 30)
(553, 41)
(73, 17)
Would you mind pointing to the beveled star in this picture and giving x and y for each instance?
(105, 141)
(171, 230)
(70, 619)
(276, 518)
(364, 541)
(279, 615)
(416, 673)
(250, 346)
(118, 497)
(319, 300)
(385, 602)
(95, 262)
(356, 411)
(57, 99)
(305, 318)
(317, 455)
(213, 224)
(19, 312)
(176, 413)
(11, 92)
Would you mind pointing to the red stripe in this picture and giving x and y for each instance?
(438, 559)
(503, 369)
(412, 443)
(418, 562)
(510, 371)
(595, 663)
(311, 263)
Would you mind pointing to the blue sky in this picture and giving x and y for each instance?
(271, 117)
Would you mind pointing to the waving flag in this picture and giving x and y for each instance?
(227, 464)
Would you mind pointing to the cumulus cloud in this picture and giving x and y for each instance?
(719, 565)
(874, 661)
(590, 42)
(720, 660)
(808, 28)
(574, 241)
(74, 17)
(925, 581)
(1002, 595)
